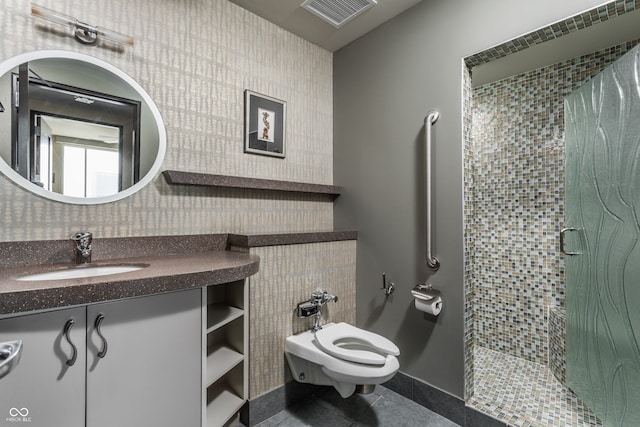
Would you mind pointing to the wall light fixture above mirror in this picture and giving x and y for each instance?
(78, 129)
(83, 32)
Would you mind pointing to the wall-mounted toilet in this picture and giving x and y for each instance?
(343, 356)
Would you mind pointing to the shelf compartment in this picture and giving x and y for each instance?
(223, 404)
(224, 397)
(221, 314)
(220, 361)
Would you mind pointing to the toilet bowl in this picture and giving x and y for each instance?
(343, 356)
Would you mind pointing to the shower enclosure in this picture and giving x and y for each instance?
(553, 340)
(602, 242)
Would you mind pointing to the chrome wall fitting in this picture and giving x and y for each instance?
(387, 288)
(312, 307)
(365, 388)
(425, 292)
(9, 356)
(427, 299)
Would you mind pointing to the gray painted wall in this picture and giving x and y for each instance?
(384, 84)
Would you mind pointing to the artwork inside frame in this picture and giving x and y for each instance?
(264, 124)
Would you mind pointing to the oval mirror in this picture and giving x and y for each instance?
(77, 129)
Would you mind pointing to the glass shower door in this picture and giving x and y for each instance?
(602, 209)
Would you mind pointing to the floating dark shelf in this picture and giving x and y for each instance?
(280, 239)
(209, 180)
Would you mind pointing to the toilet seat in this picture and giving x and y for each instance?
(329, 340)
(309, 363)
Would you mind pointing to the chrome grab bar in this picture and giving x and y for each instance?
(429, 121)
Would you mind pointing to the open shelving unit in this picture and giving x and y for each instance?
(225, 370)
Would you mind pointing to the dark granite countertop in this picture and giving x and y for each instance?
(166, 273)
(174, 263)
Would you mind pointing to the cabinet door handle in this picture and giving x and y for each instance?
(102, 353)
(67, 330)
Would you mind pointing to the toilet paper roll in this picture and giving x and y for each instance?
(432, 306)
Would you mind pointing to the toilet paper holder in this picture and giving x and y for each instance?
(425, 292)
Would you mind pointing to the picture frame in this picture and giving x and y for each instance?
(264, 125)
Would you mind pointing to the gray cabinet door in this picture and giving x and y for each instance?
(150, 375)
(43, 390)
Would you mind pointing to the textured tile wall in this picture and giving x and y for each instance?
(195, 58)
(561, 28)
(517, 163)
(274, 295)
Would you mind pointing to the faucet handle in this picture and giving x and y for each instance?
(82, 237)
(83, 241)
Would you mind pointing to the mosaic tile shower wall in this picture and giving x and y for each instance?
(468, 232)
(555, 30)
(195, 58)
(558, 342)
(518, 196)
(273, 297)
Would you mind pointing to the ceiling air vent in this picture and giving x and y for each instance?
(338, 12)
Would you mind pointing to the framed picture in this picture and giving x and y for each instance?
(264, 121)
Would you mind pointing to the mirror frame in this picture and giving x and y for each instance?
(6, 169)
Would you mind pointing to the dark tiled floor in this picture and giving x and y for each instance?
(383, 407)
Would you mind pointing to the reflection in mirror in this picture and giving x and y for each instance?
(76, 158)
(82, 131)
(65, 119)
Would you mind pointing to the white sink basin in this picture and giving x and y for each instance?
(82, 272)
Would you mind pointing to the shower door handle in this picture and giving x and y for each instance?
(563, 232)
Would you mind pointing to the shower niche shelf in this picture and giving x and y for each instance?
(224, 343)
(174, 177)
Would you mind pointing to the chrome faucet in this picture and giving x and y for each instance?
(313, 307)
(82, 251)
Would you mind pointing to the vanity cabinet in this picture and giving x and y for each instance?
(225, 386)
(43, 390)
(149, 373)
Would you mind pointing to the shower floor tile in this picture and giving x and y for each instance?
(523, 393)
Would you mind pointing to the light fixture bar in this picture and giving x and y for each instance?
(84, 33)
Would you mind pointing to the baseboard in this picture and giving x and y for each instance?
(440, 402)
(259, 409)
